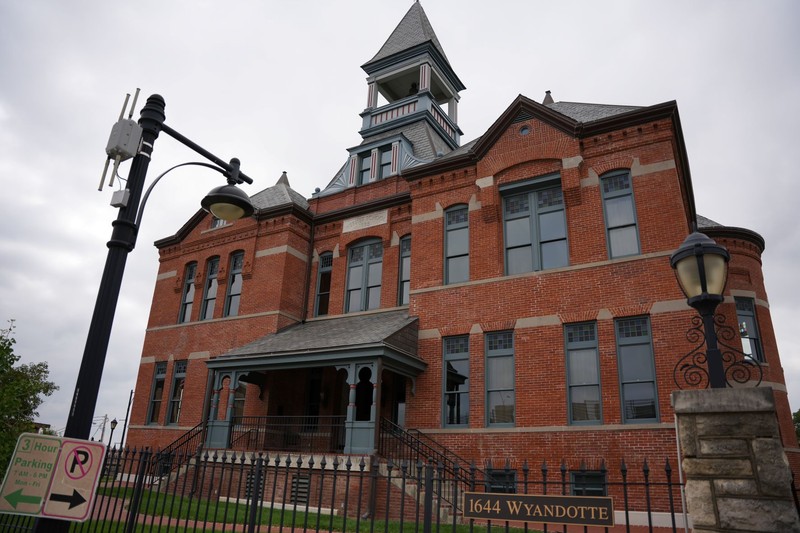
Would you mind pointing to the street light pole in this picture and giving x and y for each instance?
(111, 435)
(123, 240)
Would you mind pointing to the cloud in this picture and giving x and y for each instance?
(279, 86)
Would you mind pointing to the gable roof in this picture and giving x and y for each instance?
(578, 120)
(414, 29)
(583, 112)
(278, 197)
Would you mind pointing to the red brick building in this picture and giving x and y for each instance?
(511, 297)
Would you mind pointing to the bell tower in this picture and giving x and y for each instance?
(411, 116)
(412, 74)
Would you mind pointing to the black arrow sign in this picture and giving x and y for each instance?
(75, 500)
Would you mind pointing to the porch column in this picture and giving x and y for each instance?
(360, 431)
(218, 434)
(232, 385)
(213, 413)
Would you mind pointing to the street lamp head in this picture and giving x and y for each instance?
(114, 424)
(701, 266)
(228, 202)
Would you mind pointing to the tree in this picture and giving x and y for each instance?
(22, 390)
(796, 420)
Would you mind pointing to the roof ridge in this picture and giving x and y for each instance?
(594, 104)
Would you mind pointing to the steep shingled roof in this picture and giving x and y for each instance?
(278, 195)
(414, 29)
(703, 222)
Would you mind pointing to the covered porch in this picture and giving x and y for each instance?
(315, 387)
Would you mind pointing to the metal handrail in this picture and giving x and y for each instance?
(399, 444)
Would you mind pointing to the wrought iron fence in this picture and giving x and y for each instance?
(143, 490)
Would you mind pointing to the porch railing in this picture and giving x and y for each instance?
(324, 434)
(186, 445)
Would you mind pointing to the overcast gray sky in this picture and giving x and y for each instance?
(279, 85)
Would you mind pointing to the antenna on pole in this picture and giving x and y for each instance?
(123, 143)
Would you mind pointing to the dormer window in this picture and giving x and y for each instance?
(365, 167)
(373, 165)
(385, 162)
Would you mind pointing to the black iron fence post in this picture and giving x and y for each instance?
(138, 488)
(427, 513)
(255, 495)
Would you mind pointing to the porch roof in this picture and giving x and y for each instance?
(391, 336)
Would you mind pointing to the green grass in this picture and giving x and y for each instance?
(188, 510)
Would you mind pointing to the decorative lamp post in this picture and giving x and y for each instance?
(701, 266)
(225, 202)
(113, 427)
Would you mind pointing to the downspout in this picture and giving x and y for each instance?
(306, 292)
(207, 403)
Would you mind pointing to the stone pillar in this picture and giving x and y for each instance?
(737, 475)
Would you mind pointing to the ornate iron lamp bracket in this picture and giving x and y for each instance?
(691, 371)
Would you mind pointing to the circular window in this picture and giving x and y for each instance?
(524, 130)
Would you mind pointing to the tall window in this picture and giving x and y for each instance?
(324, 284)
(620, 214)
(176, 397)
(500, 378)
(218, 222)
(386, 162)
(748, 328)
(583, 373)
(405, 270)
(456, 245)
(210, 290)
(238, 400)
(234, 291)
(364, 273)
(188, 293)
(365, 165)
(636, 370)
(535, 230)
(157, 394)
(456, 381)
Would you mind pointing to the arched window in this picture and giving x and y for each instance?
(187, 298)
(323, 284)
(534, 225)
(233, 293)
(622, 231)
(210, 289)
(364, 273)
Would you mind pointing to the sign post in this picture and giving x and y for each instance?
(52, 476)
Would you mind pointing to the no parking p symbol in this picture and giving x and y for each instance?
(79, 463)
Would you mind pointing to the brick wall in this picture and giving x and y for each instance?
(281, 270)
